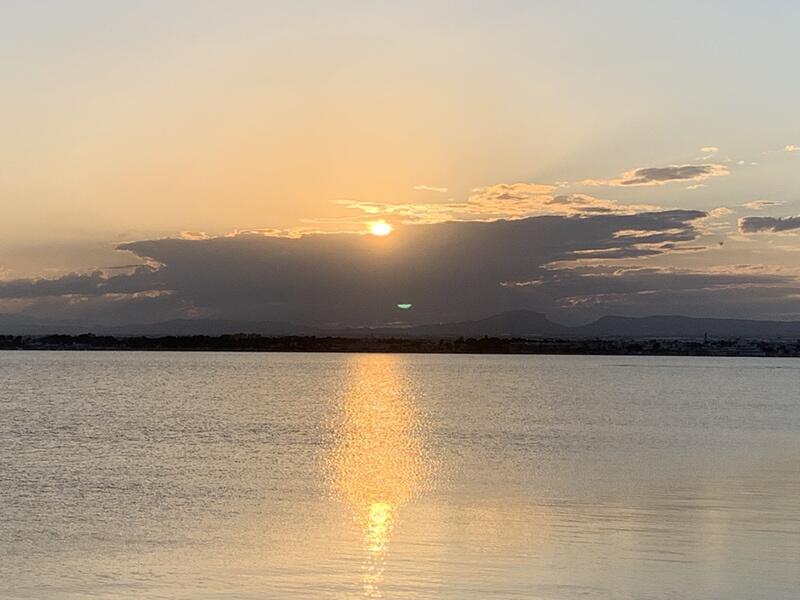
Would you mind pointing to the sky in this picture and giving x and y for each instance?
(205, 159)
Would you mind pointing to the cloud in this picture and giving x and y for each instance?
(96, 283)
(662, 175)
(762, 204)
(720, 211)
(193, 235)
(490, 203)
(448, 270)
(532, 199)
(507, 246)
(734, 291)
(768, 224)
(709, 149)
(430, 188)
(577, 264)
(792, 148)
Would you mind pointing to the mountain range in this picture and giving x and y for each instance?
(519, 323)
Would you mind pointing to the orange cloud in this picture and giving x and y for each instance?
(494, 202)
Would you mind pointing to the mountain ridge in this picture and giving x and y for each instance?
(516, 323)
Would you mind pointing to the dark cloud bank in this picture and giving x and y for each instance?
(651, 175)
(647, 176)
(448, 271)
(776, 224)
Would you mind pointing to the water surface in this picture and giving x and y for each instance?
(199, 475)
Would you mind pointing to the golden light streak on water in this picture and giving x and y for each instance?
(378, 463)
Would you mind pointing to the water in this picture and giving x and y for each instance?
(198, 475)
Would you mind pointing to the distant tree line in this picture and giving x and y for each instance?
(483, 345)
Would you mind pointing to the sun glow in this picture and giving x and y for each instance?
(380, 228)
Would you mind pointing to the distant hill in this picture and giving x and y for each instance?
(678, 326)
(13, 324)
(211, 327)
(524, 323)
(518, 323)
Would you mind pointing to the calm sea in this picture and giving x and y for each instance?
(200, 475)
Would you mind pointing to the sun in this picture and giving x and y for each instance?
(380, 228)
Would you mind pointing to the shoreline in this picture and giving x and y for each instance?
(656, 346)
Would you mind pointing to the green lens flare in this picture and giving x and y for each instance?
(404, 306)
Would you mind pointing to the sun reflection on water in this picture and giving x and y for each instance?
(378, 463)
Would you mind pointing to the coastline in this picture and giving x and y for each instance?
(731, 347)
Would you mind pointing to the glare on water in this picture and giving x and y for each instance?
(378, 463)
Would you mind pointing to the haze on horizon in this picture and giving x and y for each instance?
(193, 160)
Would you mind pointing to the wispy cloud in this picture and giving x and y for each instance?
(762, 204)
(500, 201)
(709, 149)
(430, 188)
(792, 148)
(661, 175)
(193, 235)
(720, 211)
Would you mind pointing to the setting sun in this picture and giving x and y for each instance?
(380, 228)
